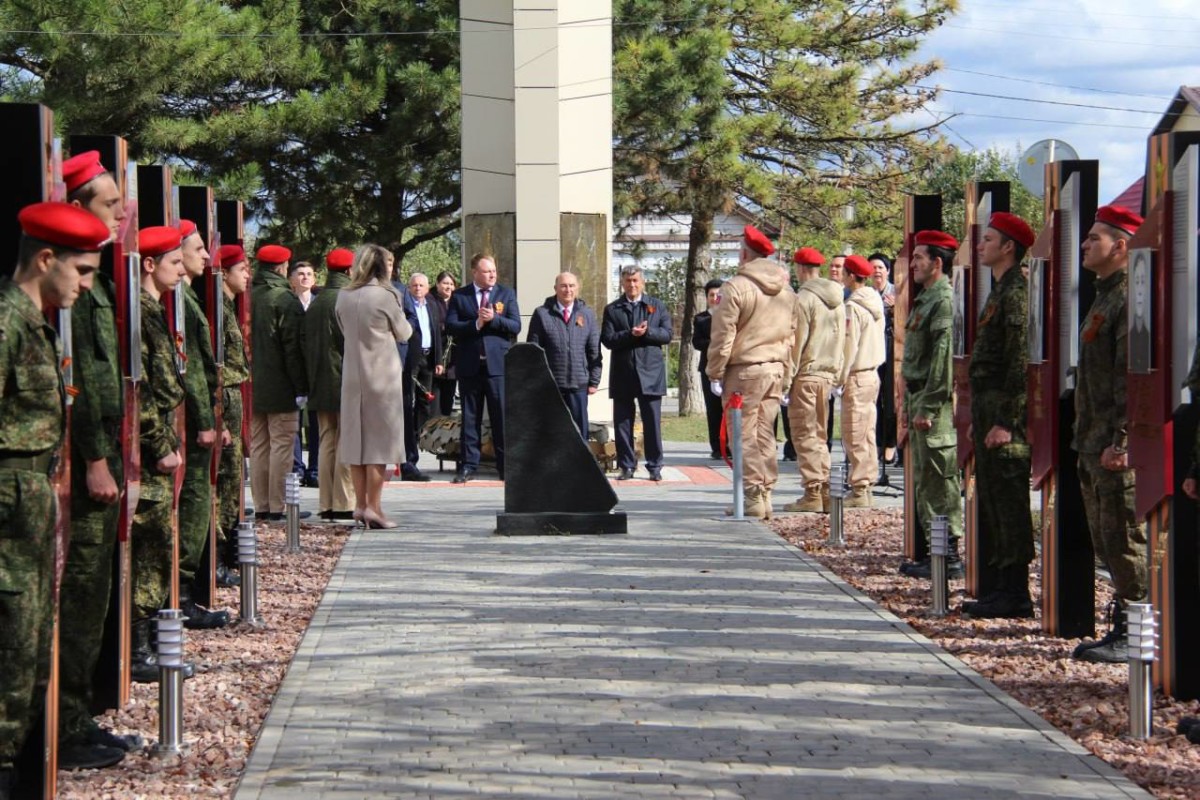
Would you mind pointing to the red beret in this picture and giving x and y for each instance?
(808, 257)
(1119, 217)
(273, 254)
(159, 240)
(230, 254)
(757, 241)
(859, 266)
(64, 225)
(937, 239)
(78, 170)
(339, 258)
(187, 228)
(1013, 227)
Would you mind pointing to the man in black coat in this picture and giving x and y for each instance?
(422, 361)
(483, 319)
(567, 330)
(701, 336)
(636, 327)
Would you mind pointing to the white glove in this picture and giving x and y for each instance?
(716, 388)
(837, 392)
(302, 401)
(785, 400)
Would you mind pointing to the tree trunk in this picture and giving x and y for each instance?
(699, 263)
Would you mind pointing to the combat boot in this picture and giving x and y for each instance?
(197, 617)
(859, 497)
(1116, 620)
(227, 562)
(924, 569)
(826, 499)
(82, 755)
(143, 660)
(754, 504)
(1114, 647)
(1010, 600)
(810, 503)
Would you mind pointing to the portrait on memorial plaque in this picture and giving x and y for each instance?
(1037, 307)
(959, 338)
(1141, 305)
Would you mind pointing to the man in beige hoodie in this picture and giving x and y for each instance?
(753, 329)
(859, 382)
(816, 365)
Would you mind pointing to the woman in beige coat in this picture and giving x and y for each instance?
(371, 317)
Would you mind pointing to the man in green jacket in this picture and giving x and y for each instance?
(324, 344)
(929, 392)
(236, 371)
(279, 377)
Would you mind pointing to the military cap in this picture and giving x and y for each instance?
(757, 241)
(64, 225)
(339, 258)
(158, 240)
(187, 228)
(1013, 227)
(937, 239)
(230, 254)
(859, 266)
(1120, 218)
(808, 257)
(273, 254)
(78, 170)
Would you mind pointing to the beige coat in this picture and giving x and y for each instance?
(755, 322)
(372, 424)
(820, 329)
(864, 332)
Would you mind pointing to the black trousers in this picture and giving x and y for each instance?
(713, 409)
(419, 406)
(650, 407)
(475, 391)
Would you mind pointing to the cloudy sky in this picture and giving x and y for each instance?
(1093, 68)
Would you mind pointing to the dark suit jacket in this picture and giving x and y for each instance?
(493, 340)
(638, 366)
(435, 333)
(701, 336)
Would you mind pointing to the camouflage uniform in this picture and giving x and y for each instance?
(997, 377)
(1100, 422)
(160, 393)
(200, 385)
(1193, 384)
(235, 372)
(929, 389)
(31, 428)
(95, 433)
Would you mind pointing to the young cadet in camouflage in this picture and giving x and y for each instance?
(57, 260)
(1105, 478)
(1191, 484)
(236, 371)
(997, 378)
(159, 393)
(97, 476)
(929, 391)
(200, 387)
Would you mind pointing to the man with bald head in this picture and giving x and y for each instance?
(566, 328)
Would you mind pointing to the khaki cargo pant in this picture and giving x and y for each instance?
(760, 386)
(808, 417)
(859, 410)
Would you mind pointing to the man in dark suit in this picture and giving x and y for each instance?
(422, 360)
(701, 336)
(484, 319)
(636, 326)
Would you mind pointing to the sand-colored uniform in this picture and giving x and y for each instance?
(817, 356)
(864, 353)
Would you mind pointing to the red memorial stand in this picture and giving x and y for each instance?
(922, 212)
(111, 687)
(1060, 293)
(972, 286)
(1164, 297)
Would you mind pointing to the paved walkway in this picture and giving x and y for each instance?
(695, 657)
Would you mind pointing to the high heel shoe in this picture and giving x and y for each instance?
(377, 523)
(357, 516)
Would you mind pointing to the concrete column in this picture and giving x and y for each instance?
(537, 146)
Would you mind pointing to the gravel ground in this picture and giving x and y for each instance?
(1088, 702)
(238, 671)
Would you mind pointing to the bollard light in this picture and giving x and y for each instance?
(291, 501)
(170, 683)
(734, 413)
(248, 559)
(837, 496)
(939, 550)
(1142, 632)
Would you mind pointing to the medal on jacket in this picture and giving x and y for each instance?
(1093, 329)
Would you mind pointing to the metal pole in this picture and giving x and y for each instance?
(735, 446)
(837, 496)
(939, 549)
(248, 559)
(291, 500)
(1142, 638)
(170, 683)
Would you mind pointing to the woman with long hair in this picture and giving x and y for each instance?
(443, 287)
(372, 320)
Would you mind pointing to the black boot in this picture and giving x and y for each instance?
(197, 616)
(1010, 601)
(924, 569)
(227, 561)
(1114, 647)
(8, 782)
(143, 660)
(82, 755)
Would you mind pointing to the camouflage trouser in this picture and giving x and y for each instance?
(1002, 498)
(1117, 535)
(195, 510)
(84, 596)
(27, 514)
(936, 483)
(152, 541)
(230, 475)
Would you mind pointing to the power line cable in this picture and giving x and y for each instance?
(1046, 121)
(1057, 37)
(1075, 12)
(1048, 83)
(1032, 100)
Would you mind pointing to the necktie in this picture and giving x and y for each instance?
(567, 315)
(483, 299)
